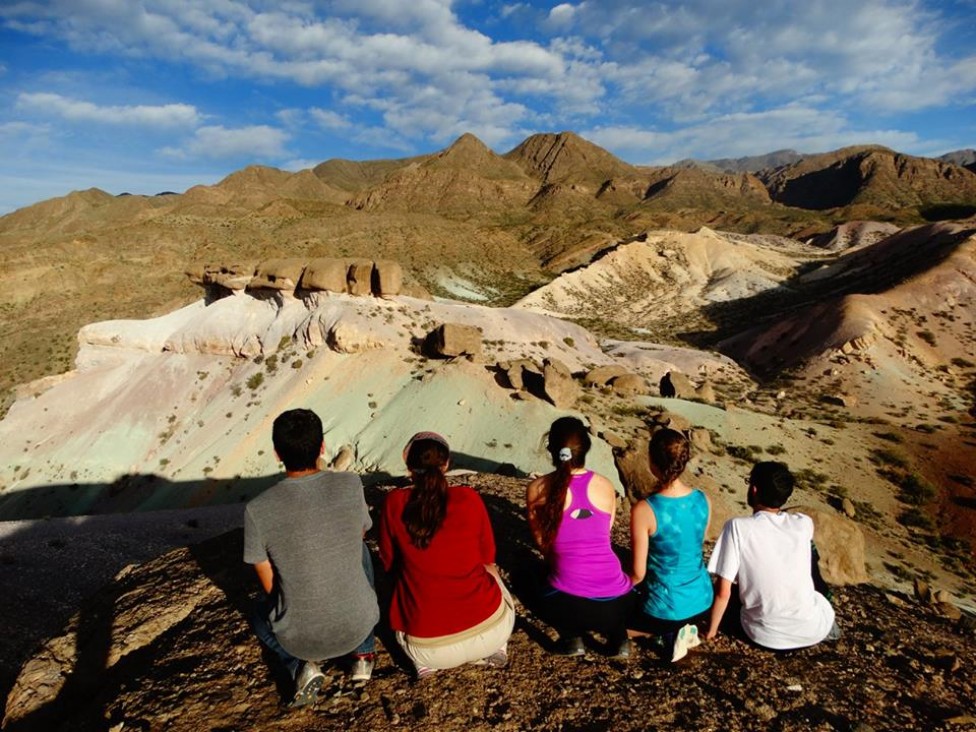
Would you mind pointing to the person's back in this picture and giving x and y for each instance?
(304, 537)
(581, 559)
(678, 585)
(312, 529)
(442, 588)
(769, 556)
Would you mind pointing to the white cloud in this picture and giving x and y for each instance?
(257, 142)
(167, 115)
(330, 120)
(806, 129)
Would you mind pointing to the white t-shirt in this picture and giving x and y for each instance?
(769, 555)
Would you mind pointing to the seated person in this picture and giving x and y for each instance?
(769, 555)
(449, 604)
(667, 530)
(304, 536)
(571, 512)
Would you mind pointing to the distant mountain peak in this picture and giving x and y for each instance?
(566, 157)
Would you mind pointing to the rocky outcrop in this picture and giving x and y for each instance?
(634, 470)
(359, 278)
(676, 384)
(326, 274)
(278, 274)
(602, 375)
(840, 542)
(558, 383)
(450, 340)
(387, 278)
(629, 385)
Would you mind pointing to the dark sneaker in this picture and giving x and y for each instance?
(569, 647)
(362, 666)
(623, 651)
(307, 685)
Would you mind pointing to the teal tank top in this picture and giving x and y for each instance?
(677, 585)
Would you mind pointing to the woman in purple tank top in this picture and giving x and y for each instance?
(571, 512)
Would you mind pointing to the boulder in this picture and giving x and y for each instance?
(325, 274)
(416, 291)
(840, 400)
(558, 384)
(519, 373)
(343, 459)
(236, 276)
(602, 375)
(359, 277)
(676, 384)
(629, 385)
(701, 440)
(453, 339)
(195, 273)
(847, 506)
(706, 392)
(672, 421)
(613, 439)
(634, 470)
(277, 274)
(387, 278)
(840, 542)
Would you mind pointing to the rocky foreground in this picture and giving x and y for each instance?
(166, 645)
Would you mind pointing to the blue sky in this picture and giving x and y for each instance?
(151, 95)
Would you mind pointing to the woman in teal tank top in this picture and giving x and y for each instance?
(667, 531)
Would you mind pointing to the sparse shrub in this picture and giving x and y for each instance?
(915, 489)
(236, 390)
(746, 454)
(284, 343)
(963, 363)
(271, 363)
(889, 436)
(255, 381)
(297, 363)
(927, 336)
(915, 518)
(569, 341)
(888, 457)
(775, 449)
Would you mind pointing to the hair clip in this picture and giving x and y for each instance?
(565, 454)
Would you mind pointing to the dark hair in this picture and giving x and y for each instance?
(669, 452)
(566, 433)
(774, 483)
(426, 507)
(297, 438)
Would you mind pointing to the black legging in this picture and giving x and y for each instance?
(572, 615)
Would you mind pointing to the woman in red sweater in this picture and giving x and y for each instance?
(449, 605)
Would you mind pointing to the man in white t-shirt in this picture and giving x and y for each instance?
(769, 555)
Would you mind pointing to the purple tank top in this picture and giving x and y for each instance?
(581, 561)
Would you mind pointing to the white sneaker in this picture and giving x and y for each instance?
(362, 667)
(307, 685)
(684, 639)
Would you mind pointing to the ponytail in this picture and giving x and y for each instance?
(569, 442)
(426, 507)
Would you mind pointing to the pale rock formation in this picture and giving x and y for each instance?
(521, 371)
(634, 470)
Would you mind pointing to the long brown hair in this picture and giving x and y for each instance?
(424, 512)
(569, 441)
(669, 452)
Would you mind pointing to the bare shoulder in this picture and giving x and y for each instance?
(534, 489)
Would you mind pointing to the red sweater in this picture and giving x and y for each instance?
(444, 588)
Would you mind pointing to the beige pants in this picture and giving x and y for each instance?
(469, 645)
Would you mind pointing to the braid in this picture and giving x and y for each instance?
(669, 452)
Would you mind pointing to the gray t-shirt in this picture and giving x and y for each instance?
(311, 528)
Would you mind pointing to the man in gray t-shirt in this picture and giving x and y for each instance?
(304, 537)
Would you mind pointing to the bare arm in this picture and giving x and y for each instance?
(265, 575)
(642, 524)
(723, 591)
(533, 499)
